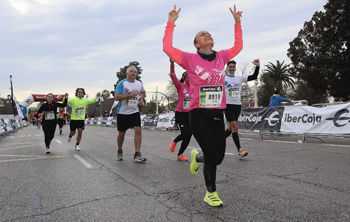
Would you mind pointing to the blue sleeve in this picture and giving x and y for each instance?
(285, 100)
(120, 88)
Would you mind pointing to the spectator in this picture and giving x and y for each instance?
(106, 114)
(276, 99)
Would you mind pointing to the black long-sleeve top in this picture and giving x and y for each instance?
(50, 110)
(255, 74)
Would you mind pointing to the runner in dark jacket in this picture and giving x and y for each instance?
(50, 117)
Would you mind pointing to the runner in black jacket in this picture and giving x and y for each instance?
(50, 117)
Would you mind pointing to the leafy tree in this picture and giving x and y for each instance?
(106, 94)
(171, 93)
(303, 92)
(280, 75)
(265, 92)
(321, 52)
(122, 73)
(151, 107)
(6, 107)
(247, 94)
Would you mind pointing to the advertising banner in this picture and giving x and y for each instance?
(334, 119)
(261, 119)
(149, 120)
(166, 120)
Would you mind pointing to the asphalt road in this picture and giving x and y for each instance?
(280, 180)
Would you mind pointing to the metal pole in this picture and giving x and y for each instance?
(164, 96)
(157, 100)
(256, 93)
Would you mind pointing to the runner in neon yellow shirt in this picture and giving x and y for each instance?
(79, 104)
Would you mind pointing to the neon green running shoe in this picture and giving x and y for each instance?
(213, 199)
(194, 164)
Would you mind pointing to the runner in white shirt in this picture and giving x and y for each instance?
(233, 88)
(130, 93)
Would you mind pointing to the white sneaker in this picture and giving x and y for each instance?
(77, 148)
(69, 139)
(138, 158)
(120, 155)
(47, 150)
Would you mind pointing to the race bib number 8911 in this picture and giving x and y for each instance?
(210, 96)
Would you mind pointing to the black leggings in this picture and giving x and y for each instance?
(60, 123)
(49, 128)
(208, 129)
(182, 121)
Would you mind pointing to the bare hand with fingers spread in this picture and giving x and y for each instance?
(173, 14)
(236, 15)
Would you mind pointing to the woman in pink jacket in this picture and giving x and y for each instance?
(181, 112)
(206, 72)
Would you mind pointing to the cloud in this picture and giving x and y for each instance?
(59, 45)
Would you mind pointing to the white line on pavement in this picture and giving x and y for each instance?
(88, 165)
(129, 137)
(336, 145)
(276, 141)
(58, 141)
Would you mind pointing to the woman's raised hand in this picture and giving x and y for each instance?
(236, 15)
(173, 14)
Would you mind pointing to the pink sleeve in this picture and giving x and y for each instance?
(173, 77)
(238, 46)
(174, 53)
(172, 68)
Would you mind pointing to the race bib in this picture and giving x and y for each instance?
(60, 116)
(210, 96)
(186, 103)
(233, 93)
(131, 102)
(79, 111)
(50, 115)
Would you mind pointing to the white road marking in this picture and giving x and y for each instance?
(276, 141)
(88, 165)
(129, 137)
(336, 145)
(246, 139)
(58, 141)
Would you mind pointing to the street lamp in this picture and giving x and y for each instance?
(156, 92)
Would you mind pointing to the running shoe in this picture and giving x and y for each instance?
(47, 150)
(242, 153)
(213, 199)
(182, 158)
(120, 155)
(69, 139)
(77, 148)
(194, 164)
(172, 145)
(138, 158)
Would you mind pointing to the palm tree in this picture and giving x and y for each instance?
(279, 74)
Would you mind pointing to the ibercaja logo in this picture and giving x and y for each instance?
(341, 118)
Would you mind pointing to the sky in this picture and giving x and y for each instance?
(58, 46)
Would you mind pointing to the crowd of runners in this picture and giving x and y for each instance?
(207, 90)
